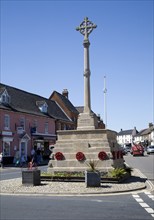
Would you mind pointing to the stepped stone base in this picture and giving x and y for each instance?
(87, 121)
(89, 142)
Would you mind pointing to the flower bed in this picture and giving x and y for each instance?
(79, 177)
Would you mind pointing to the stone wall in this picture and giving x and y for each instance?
(90, 143)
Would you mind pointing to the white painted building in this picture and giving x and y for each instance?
(125, 137)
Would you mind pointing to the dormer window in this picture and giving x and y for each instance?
(4, 97)
(42, 105)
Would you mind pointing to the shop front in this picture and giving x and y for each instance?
(7, 140)
(42, 142)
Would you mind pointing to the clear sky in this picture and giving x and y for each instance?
(41, 52)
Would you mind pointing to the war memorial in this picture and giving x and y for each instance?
(75, 148)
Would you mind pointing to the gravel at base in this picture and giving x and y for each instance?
(47, 187)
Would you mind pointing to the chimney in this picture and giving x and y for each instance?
(150, 125)
(65, 93)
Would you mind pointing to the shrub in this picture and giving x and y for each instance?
(117, 173)
(92, 164)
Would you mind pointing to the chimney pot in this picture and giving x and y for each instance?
(65, 93)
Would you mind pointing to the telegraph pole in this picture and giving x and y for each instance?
(105, 106)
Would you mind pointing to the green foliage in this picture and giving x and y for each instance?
(92, 164)
(117, 173)
(46, 174)
(62, 174)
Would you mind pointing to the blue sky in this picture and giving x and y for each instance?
(41, 52)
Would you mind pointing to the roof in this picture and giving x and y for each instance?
(125, 132)
(145, 131)
(80, 109)
(22, 101)
(66, 101)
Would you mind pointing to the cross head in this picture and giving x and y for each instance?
(86, 27)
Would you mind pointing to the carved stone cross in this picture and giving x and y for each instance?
(86, 27)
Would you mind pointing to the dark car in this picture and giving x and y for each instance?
(150, 149)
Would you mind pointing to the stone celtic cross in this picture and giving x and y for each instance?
(86, 120)
(86, 27)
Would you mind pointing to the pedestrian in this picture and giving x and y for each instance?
(16, 159)
(32, 154)
(39, 155)
(22, 160)
(1, 160)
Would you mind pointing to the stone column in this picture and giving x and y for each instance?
(87, 104)
(86, 120)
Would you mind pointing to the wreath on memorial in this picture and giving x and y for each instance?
(59, 156)
(102, 155)
(80, 156)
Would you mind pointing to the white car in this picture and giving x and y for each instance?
(150, 149)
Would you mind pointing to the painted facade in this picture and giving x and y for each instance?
(28, 121)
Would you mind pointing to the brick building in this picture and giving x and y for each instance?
(28, 120)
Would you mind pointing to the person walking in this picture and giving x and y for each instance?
(1, 160)
(16, 160)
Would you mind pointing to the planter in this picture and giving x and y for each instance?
(92, 179)
(31, 177)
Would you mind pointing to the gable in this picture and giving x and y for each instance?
(4, 96)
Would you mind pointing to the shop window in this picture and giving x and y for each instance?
(6, 148)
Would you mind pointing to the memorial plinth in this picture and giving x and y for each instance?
(90, 143)
(76, 147)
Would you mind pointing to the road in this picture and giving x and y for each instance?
(145, 164)
(126, 206)
(15, 172)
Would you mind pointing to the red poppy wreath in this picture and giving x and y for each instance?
(102, 155)
(80, 156)
(59, 156)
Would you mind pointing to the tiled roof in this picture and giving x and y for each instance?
(66, 101)
(23, 101)
(80, 109)
(125, 132)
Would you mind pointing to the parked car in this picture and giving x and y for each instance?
(127, 147)
(137, 150)
(150, 149)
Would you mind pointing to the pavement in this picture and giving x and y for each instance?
(136, 182)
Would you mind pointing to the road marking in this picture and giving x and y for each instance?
(149, 195)
(96, 200)
(139, 200)
(141, 174)
(149, 210)
(136, 196)
(143, 204)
